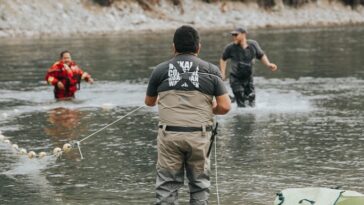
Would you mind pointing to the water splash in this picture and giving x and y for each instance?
(273, 95)
(105, 95)
(277, 101)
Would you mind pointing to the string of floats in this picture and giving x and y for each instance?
(57, 151)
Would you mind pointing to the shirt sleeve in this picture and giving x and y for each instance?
(220, 88)
(84, 75)
(51, 76)
(153, 84)
(259, 51)
(213, 69)
(78, 70)
(226, 54)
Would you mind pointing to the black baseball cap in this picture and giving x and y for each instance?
(239, 30)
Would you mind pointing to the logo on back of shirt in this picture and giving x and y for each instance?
(175, 76)
(185, 65)
(194, 78)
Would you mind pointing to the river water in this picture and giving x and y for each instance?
(306, 130)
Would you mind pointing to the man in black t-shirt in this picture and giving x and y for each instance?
(242, 53)
(189, 92)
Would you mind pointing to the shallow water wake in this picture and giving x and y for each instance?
(273, 95)
(23, 165)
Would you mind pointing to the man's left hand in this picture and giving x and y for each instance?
(214, 104)
(273, 67)
(91, 81)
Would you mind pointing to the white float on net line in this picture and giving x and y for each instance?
(15, 147)
(31, 155)
(67, 147)
(57, 151)
(42, 154)
(22, 151)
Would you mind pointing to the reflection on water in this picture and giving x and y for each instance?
(306, 129)
(64, 123)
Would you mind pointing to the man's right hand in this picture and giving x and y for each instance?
(60, 85)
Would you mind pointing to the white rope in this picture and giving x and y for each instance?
(79, 149)
(216, 181)
(78, 143)
(122, 117)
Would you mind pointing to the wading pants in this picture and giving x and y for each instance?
(243, 90)
(180, 152)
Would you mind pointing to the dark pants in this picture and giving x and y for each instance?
(243, 90)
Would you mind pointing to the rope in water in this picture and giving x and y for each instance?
(78, 143)
(108, 125)
(131, 112)
(216, 179)
(57, 152)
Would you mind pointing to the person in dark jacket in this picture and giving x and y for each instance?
(242, 52)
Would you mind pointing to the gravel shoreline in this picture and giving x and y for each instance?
(41, 18)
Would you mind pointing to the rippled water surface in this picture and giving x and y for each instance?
(307, 128)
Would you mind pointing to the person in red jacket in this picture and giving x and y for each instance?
(66, 76)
